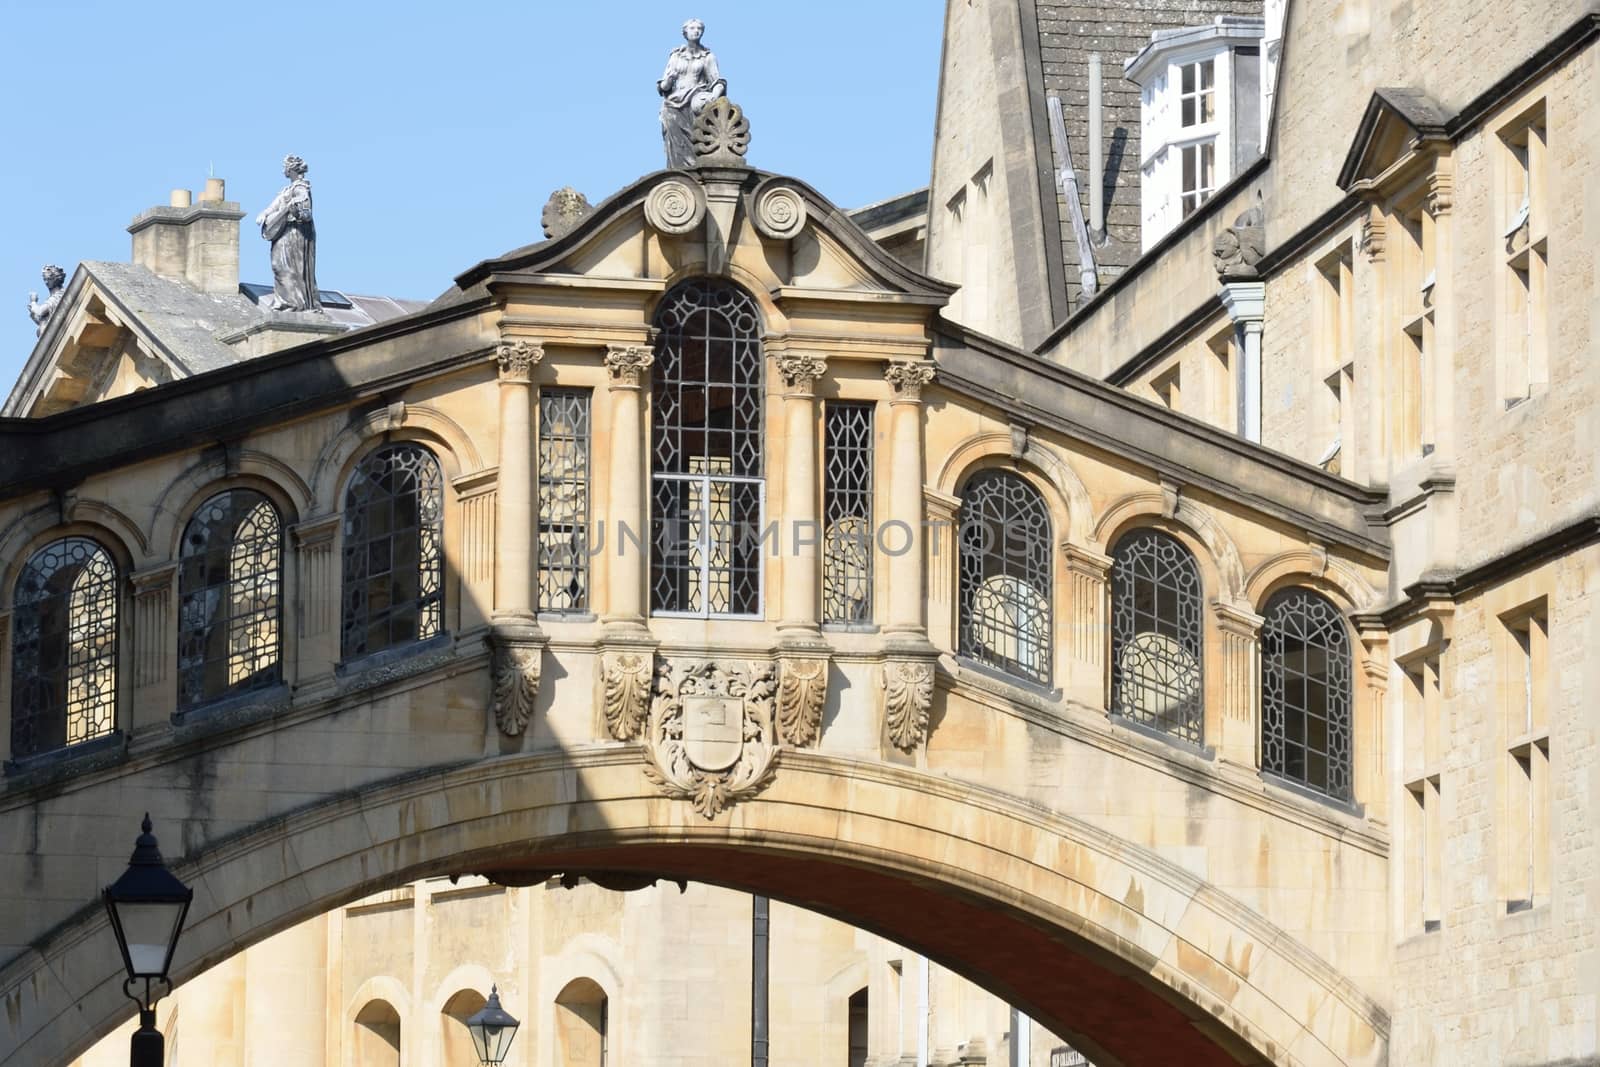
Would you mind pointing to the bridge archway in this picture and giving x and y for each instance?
(1133, 958)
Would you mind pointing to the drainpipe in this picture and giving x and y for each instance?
(759, 931)
(1097, 163)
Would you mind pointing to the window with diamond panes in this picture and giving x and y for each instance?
(847, 513)
(1305, 692)
(1005, 575)
(230, 607)
(706, 422)
(393, 551)
(563, 554)
(63, 648)
(1156, 641)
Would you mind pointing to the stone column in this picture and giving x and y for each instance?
(627, 655)
(1235, 724)
(904, 524)
(803, 655)
(908, 669)
(1246, 303)
(1087, 633)
(155, 692)
(5, 690)
(317, 598)
(516, 642)
(1370, 715)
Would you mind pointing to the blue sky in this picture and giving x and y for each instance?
(434, 132)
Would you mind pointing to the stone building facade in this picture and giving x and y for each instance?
(1262, 735)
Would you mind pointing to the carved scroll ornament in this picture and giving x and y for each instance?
(711, 739)
(627, 693)
(802, 690)
(516, 685)
(908, 696)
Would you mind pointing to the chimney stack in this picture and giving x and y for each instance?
(197, 244)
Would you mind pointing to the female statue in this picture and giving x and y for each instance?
(690, 83)
(287, 224)
(55, 280)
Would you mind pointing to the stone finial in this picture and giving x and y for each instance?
(55, 280)
(1239, 248)
(721, 135)
(563, 211)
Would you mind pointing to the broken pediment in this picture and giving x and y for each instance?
(1401, 133)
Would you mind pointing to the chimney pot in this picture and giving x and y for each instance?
(215, 191)
(181, 198)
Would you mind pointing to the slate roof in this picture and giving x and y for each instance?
(181, 320)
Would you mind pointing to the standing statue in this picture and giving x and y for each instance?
(55, 281)
(689, 84)
(287, 224)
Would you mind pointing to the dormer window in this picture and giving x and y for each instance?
(1200, 116)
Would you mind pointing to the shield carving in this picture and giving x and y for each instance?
(713, 731)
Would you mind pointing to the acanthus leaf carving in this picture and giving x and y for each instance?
(628, 363)
(517, 358)
(692, 751)
(802, 690)
(627, 693)
(516, 685)
(907, 700)
(721, 135)
(800, 370)
(907, 376)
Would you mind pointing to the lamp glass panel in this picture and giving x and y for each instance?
(150, 930)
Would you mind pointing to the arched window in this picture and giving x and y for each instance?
(230, 598)
(581, 1022)
(63, 648)
(1156, 642)
(377, 1035)
(1305, 692)
(1005, 575)
(457, 1040)
(393, 551)
(706, 444)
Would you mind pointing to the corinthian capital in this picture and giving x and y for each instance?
(518, 358)
(908, 377)
(627, 363)
(801, 370)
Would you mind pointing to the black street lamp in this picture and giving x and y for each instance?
(147, 906)
(492, 1029)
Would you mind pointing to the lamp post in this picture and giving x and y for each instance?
(147, 906)
(492, 1029)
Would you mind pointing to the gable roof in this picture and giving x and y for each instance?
(1397, 121)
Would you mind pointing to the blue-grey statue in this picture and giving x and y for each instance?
(287, 224)
(55, 281)
(689, 84)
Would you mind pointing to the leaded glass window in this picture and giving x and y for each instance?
(847, 513)
(1305, 692)
(563, 556)
(1005, 575)
(1156, 641)
(230, 606)
(393, 551)
(64, 648)
(707, 489)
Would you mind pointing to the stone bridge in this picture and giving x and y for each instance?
(693, 542)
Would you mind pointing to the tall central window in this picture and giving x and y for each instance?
(1004, 545)
(707, 488)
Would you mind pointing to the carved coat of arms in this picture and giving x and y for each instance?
(711, 738)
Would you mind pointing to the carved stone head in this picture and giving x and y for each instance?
(54, 277)
(693, 30)
(564, 210)
(294, 167)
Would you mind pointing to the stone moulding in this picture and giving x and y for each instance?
(711, 738)
(780, 212)
(626, 677)
(802, 690)
(675, 206)
(907, 700)
(515, 672)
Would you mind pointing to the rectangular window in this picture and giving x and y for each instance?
(562, 545)
(1199, 175)
(1525, 698)
(1527, 256)
(1412, 418)
(1423, 871)
(847, 533)
(1335, 326)
(1168, 387)
(1197, 98)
